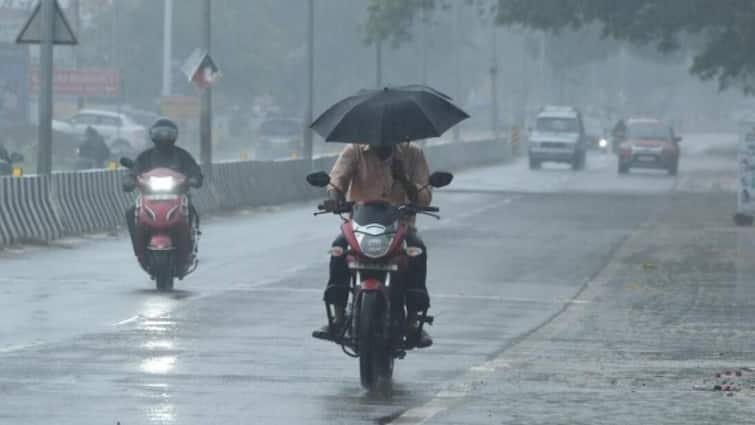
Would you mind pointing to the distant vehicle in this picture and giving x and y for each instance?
(649, 143)
(124, 134)
(595, 133)
(558, 136)
(279, 138)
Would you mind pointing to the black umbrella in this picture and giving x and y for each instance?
(389, 116)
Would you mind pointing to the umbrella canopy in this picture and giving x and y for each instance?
(389, 116)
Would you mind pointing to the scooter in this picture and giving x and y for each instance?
(167, 232)
(375, 327)
(8, 161)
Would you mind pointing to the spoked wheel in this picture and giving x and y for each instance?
(375, 359)
(162, 266)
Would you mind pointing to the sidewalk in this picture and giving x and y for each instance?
(649, 340)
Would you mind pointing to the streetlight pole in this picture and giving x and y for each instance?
(494, 82)
(379, 63)
(310, 81)
(167, 48)
(424, 47)
(76, 55)
(457, 64)
(205, 119)
(44, 149)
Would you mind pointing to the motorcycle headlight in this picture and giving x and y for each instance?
(603, 143)
(374, 246)
(162, 184)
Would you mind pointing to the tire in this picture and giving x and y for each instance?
(623, 169)
(375, 360)
(162, 268)
(575, 164)
(674, 169)
(534, 164)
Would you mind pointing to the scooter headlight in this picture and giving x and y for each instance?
(603, 143)
(374, 246)
(162, 184)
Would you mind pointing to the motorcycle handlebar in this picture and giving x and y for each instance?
(343, 207)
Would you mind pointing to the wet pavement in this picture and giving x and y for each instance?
(559, 297)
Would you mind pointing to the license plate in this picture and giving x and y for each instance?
(646, 158)
(374, 266)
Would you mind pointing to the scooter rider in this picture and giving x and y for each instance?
(165, 154)
(396, 174)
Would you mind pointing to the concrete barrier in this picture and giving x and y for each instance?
(27, 211)
(45, 208)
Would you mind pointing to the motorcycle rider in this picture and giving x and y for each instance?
(94, 148)
(396, 174)
(165, 154)
(618, 134)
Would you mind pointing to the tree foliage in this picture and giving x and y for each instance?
(719, 33)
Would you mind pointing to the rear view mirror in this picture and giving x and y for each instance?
(127, 162)
(441, 178)
(16, 157)
(318, 179)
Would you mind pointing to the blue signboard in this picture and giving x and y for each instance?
(14, 84)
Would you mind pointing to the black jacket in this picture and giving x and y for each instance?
(174, 158)
(94, 148)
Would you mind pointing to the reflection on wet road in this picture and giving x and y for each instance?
(86, 341)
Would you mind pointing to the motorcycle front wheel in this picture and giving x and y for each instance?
(162, 269)
(375, 359)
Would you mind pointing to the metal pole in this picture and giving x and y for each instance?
(76, 51)
(379, 64)
(310, 81)
(205, 119)
(494, 84)
(457, 64)
(424, 47)
(44, 148)
(167, 48)
(544, 93)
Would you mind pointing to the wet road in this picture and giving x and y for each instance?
(547, 287)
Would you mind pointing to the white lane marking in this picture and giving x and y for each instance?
(12, 348)
(127, 321)
(448, 398)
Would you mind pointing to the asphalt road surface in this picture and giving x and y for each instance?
(560, 297)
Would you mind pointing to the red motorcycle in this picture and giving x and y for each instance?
(166, 232)
(376, 330)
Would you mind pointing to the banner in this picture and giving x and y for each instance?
(81, 82)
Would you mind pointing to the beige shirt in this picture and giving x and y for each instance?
(363, 176)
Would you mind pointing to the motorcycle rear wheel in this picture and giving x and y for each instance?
(375, 359)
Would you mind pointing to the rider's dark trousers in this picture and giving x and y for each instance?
(417, 298)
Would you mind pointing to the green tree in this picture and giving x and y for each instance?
(719, 33)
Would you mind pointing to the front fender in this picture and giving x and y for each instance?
(160, 242)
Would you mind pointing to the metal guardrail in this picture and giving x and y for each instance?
(44, 208)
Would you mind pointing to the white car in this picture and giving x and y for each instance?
(559, 136)
(123, 135)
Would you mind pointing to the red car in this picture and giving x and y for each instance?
(649, 143)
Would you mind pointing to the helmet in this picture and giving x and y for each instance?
(163, 133)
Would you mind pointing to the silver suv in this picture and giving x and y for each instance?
(558, 136)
